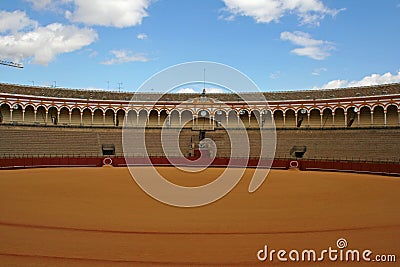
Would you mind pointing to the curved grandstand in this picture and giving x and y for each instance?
(352, 124)
(375, 106)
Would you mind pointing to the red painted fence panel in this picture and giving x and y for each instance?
(389, 168)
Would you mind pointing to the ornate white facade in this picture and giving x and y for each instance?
(363, 111)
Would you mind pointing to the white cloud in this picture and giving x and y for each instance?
(334, 84)
(40, 4)
(374, 79)
(227, 18)
(275, 75)
(52, 5)
(266, 11)
(41, 43)
(124, 56)
(92, 53)
(15, 21)
(318, 71)
(186, 91)
(142, 36)
(116, 13)
(315, 49)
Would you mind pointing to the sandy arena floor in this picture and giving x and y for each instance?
(100, 217)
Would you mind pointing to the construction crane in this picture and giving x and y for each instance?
(11, 64)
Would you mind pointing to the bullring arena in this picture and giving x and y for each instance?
(334, 177)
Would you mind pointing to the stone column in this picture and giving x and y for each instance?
(321, 119)
(384, 118)
(372, 118)
(398, 117)
(284, 120)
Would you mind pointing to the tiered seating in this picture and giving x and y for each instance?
(46, 141)
(367, 144)
(356, 144)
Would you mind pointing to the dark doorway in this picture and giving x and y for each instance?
(202, 135)
(108, 149)
(298, 151)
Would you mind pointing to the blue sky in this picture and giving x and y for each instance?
(280, 45)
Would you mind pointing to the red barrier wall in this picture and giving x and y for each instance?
(362, 167)
(309, 165)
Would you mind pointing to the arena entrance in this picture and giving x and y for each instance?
(108, 149)
(200, 144)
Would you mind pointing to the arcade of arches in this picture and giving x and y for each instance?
(361, 116)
